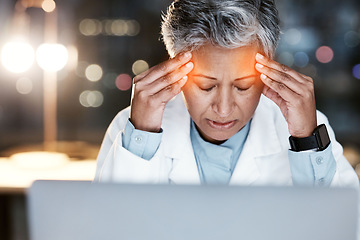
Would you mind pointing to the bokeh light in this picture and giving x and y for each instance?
(356, 71)
(73, 57)
(93, 72)
(286, 58)
(48, 5)
(123, 82)
(301, 59)
(106, 26)
(52, 57)
(133, 28)
(324, 54)
(139, 66)
(119, 27)
(115, 27)
(292, 36)
(24, 85)
(90, 27)
(91, 98)
(352, 39)
(17, 57)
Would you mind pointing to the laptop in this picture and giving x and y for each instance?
(86, 211)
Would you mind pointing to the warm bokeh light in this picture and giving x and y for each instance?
(24, 85)
(90, 27)
(106, 26)
(17, 57)
(48, 5)
(52, 57)
(324, 54)
(73, 57)
(95, 99)
(123, 82)
(133, 28)
(93, 72)
(91, 98)
(119, 27)
(115, 27)
(356, 71)
(139, 66)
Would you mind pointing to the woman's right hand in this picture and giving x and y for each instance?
(154, 88)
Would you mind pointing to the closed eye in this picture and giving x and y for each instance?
(242, 89)
(207, 89)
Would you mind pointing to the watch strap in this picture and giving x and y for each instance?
(303, 144)
(319, 140)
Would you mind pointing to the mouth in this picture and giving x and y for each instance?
(221, 125)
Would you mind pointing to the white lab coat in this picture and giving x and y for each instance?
(263, 161)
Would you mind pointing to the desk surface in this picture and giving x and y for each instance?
(16, 179)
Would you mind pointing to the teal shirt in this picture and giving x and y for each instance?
(216, 163)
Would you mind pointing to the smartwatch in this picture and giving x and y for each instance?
(319, 140)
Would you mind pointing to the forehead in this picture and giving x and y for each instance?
(217, 60)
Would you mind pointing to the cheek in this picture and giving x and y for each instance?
(249, 102)
(196, 102)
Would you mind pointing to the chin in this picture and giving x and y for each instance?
(218, 137)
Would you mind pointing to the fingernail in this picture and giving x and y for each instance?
(258, 55)
(187, 54)
(258, 65)
(189, 65)
(263, 76)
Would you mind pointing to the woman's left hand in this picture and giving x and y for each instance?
(293, 92)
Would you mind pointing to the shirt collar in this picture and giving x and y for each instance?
(213, 151)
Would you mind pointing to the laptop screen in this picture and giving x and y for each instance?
(83, 210)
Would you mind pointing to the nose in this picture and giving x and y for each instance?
(224, 104)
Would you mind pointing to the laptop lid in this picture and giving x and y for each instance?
(83, 210)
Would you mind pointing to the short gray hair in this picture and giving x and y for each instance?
(190, 24)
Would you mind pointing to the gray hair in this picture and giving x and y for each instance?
(190, 24)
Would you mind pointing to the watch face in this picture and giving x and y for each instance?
(323, 137)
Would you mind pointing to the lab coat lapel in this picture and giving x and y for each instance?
(261, 142)
(177, 144)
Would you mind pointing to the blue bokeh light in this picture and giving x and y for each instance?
(301, 59)
(356, 71)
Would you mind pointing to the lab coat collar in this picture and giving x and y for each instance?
(261, 142)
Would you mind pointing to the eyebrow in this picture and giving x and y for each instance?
(214, 79)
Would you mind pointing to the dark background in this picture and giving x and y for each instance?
(306, 25)
(319, 23)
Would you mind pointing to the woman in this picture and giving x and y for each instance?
(220, 110)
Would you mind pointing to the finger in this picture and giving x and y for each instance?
(281, 77)
(166, 94)
(272, 95)
(165, 68)
(280, 88)
(279, 67)
(169, 79)
(143, 74)
(306, 77)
